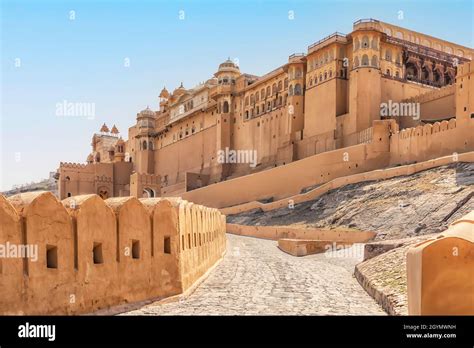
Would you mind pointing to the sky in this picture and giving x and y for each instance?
(116, 56)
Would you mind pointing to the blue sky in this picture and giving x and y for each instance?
(83, 60)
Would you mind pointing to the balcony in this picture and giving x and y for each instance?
(334, 37)
(295, 57)
(367, 24)
(224, 89)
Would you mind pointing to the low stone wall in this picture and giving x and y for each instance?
(84, 254)
(440, 272)
(303, 247)
(285, 232)
(380, 174)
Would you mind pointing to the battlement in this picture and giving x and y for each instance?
(427, 129)
(72, 165)
(84, 253)
(148, 179)
(432, 95)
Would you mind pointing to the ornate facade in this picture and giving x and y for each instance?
(318, 101)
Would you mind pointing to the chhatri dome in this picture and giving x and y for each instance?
(147, 112)
(179, 91)
(114, 130)
(104, 129)
(228, 66)
(164, 93)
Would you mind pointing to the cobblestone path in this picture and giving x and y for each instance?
(257, 278)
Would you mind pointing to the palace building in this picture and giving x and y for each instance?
(325, 99)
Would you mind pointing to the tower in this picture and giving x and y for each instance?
(365, 77)
(226, 76)
(145, 156)
(164, 96)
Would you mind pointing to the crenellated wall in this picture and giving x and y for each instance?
(93, 254)
(387, 147)
(422, 143)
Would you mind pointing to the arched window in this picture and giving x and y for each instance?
(297, 89)
(257, 96)
(388, 55)
(365, 41)
(150, 145)
(365, 60)
(226, 107)
(330, 73)
(246, 100)
(280, 86)
(325, 75)
(262, 94)
(397, 74)
(290, 90)
(252, 99)
(320, 77)
(389, 73)
(286, 83)
(374, 61)
(356, 61)
(268, 91)
(356, 44)
(247, 115)
(144, 145)
(274, 89)
(375, 43)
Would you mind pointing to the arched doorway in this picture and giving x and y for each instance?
(411, 72)
(148, 193)
(103, 192)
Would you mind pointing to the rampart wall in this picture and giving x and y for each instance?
(93, 254)
(389, 147)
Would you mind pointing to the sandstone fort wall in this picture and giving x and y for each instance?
(93, 254)
(388, 147)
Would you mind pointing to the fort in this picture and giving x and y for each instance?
(310, 110)
(144, 217)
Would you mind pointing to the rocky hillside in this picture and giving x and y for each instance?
(43, 185)
(406, 206)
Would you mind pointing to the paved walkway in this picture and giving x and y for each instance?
(257, 278)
